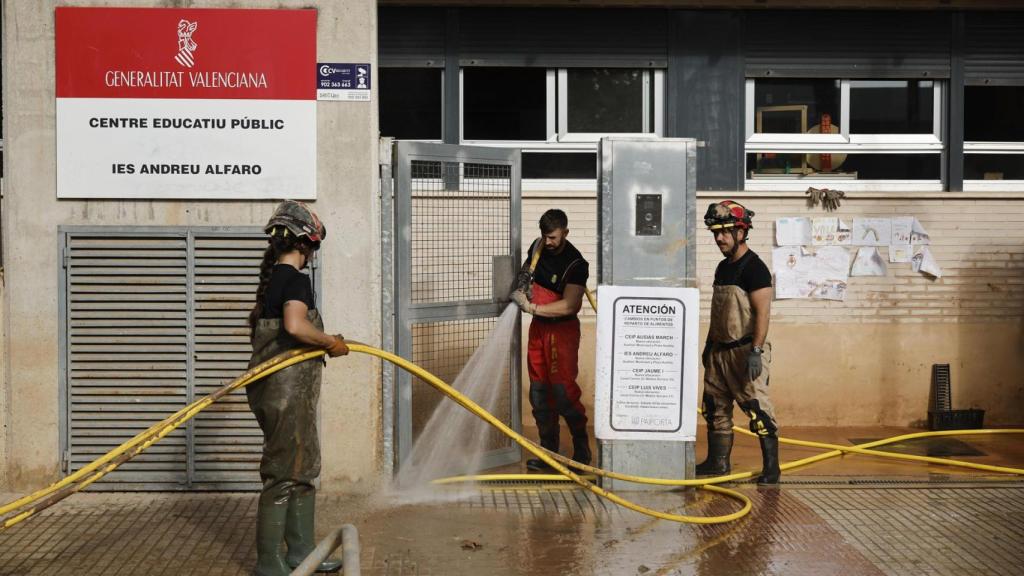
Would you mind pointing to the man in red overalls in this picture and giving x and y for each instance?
(551, 288)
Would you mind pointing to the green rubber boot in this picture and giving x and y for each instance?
(299, 529)
(270, 528)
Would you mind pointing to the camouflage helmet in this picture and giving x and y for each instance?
(728, 214)
(295, 218)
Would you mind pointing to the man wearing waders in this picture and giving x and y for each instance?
(551, 288)
(284, 403)
(733, 358)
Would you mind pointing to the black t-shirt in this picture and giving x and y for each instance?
(286, 283)
(749, 273)
(554, 271)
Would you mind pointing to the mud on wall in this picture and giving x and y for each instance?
(868, 360)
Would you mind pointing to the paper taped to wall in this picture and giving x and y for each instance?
(872, 231)
(821, 274)
(793, 231)
(923, 261)
(868, 263)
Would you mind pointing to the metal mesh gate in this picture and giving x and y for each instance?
(456, 210)
(153, 319)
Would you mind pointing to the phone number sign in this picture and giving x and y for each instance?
(343, 82)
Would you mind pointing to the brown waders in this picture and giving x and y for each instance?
(726, 379)
(284, 404)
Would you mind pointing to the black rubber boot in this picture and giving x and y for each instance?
(270, 521)
(548, 441)
(719, 449)
(547, 425)
(581, 451)
(299, 529)
(769, 460)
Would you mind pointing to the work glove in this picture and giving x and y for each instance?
(520, 298)
(754, 366)
(338, 348)
(524, 283)
(705, 356)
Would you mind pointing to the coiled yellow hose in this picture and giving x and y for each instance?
(27, 506)
(555, 461)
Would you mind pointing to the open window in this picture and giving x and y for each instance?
(855, 134)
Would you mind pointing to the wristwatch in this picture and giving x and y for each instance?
(758, 350)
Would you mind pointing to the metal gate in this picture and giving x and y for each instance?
(152, 319)
(456, 213)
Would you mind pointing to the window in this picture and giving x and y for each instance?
(803, 132)
(604, 101)
(504, 104)
(557, 116)
(411, 103)
(993, 137)
(559, 165)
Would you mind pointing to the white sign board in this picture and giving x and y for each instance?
(185, 103)
(646, 377)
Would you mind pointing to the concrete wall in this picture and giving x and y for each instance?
(347, 192)
(868, 360)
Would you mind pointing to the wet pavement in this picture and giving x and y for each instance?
(855, 515)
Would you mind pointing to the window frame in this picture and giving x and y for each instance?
(843, 143)
(992, 147)
(559, 139)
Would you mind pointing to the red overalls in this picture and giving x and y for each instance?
(552, 357)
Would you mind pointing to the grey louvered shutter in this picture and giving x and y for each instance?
(410, 37)
(152, 320)
(994, 49)
(227, 443)
(126, 351)
(563, 38)
(847, 44)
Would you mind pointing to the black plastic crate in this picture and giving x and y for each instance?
(956, 419)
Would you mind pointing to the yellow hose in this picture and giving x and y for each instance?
(143, 440)
(591, 299)
(550, 459)
(92, 472)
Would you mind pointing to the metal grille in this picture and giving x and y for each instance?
(443, 348)
(126, 351)
(460, 219)
(456, 219)
(156, 320)
(227, 442)
(941, 396)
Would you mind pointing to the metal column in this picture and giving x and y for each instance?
(646, 219)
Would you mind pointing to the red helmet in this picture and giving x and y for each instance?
(728, 214)
(296, 218)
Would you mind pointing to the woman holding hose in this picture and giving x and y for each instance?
(284, 403)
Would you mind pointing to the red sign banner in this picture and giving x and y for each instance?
(186, 53)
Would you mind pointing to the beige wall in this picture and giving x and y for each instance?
(868, 360)
(347, 192)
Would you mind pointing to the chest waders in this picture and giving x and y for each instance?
(726, 379)
(284, 404)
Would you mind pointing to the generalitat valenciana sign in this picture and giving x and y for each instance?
(170, 103)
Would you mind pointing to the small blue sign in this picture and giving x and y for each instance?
(343, 82)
